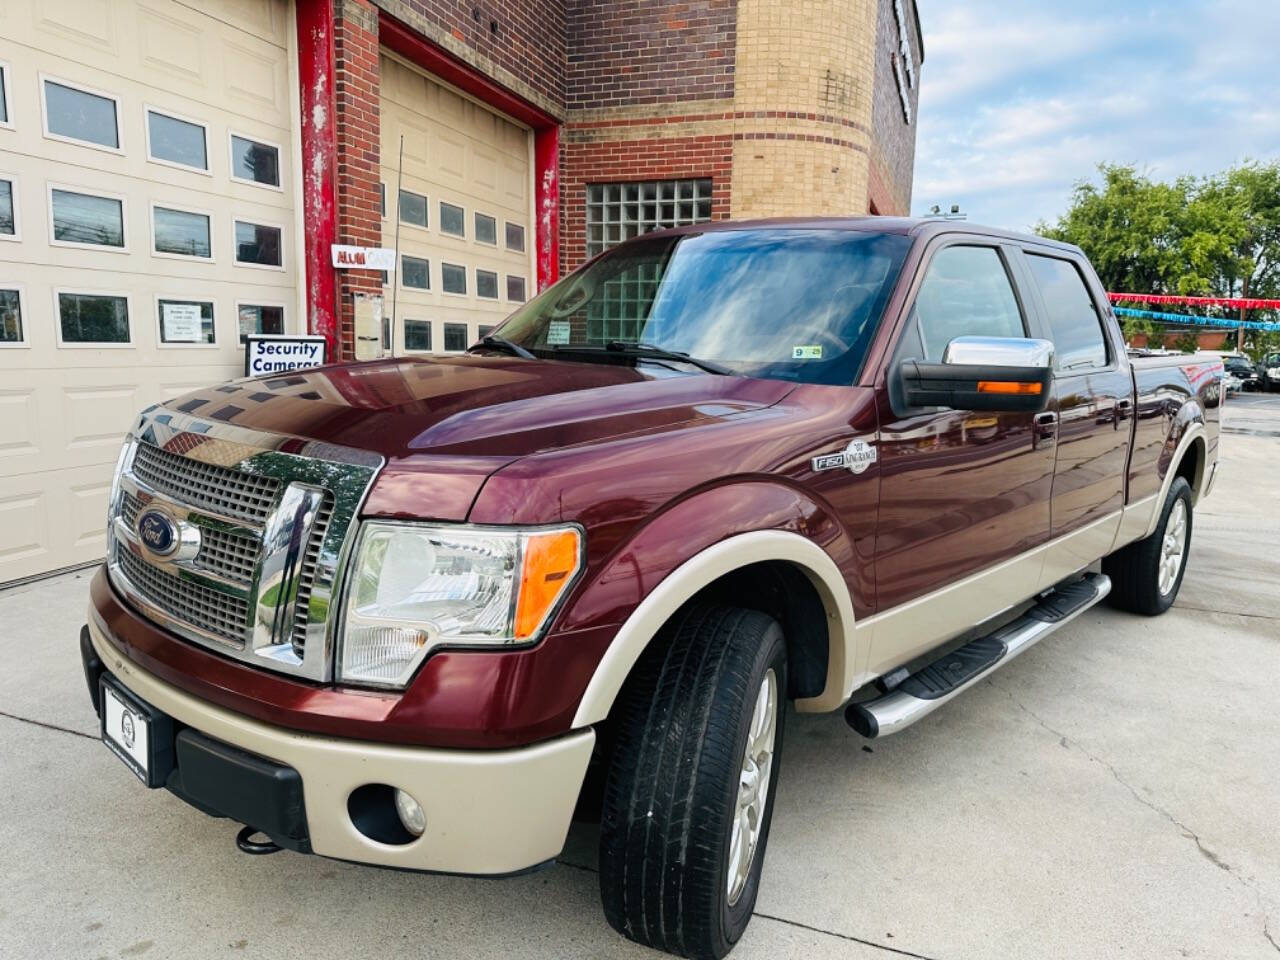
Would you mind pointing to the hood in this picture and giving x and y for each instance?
(444, 424)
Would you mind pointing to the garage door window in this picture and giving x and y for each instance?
(259, 318)
(453, 278)
(455, 336)
(5, 121)
(180, 143)
(486, 229)
(515, 289)
(417, 334)
(515, 237)
(620, 211)
(81, 116)
(254, 161)
(413, 208)
(415, 273)
(487, 284)
(259, 245)
(93, 318)
(185, 321)
(83, 219)
(10, 317)
(8, 216)
(453, 220)
(181, 233)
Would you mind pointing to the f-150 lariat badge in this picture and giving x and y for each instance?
(857, 456)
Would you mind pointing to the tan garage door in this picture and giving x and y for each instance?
(146, 213)
(466, 242)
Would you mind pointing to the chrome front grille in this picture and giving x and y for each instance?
(231, 493)
(221, 614)
(257, 536)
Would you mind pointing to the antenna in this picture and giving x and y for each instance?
(395, 272)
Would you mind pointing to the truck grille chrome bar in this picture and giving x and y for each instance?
(271, 517)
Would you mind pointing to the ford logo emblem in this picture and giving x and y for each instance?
(158, 532)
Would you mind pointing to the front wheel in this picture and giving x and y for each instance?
(691, 782)
(1146, 575)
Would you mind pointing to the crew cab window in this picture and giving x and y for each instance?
(1073, 319)
(965, 293)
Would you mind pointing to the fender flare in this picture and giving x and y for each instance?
(697, 572)
(1193, 432)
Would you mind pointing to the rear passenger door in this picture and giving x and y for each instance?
(1092, 401)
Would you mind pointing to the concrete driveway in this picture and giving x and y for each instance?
(1115, 792)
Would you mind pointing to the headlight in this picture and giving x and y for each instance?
(414, 587)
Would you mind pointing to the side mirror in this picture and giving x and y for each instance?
(1010, 374)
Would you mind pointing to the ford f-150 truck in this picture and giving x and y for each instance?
(410, 612)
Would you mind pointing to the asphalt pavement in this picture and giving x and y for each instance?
(1114, 792)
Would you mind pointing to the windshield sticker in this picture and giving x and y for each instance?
(811, 351)
(558, 332)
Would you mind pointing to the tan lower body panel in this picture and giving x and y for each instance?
(488, 812)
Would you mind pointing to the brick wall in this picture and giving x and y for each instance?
(519, 43)
(621, 52)
(893, 144)
(356, 88)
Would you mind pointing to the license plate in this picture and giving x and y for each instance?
(137, 733)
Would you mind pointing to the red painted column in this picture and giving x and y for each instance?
(546, 174)
(319, 164)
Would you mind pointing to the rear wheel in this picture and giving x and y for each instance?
(1146, 575)
(689, 795)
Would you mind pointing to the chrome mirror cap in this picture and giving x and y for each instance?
(999, 352)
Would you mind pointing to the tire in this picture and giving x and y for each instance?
(1136, 570)
(672, 792)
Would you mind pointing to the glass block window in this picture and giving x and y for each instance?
(515, 289)
(415, 273)
(8, 222)
(417, 334)
(84, 218)
(487, 284)
(453, 278)
(515, 237)
(455, 336)
(185, 321)
(259, 244)
(486, 229)
(176, 141)
(413, 208)
(80, 115)
(453, 220)
(622, 309)
(181, 233)
(255, 318)
(93, 318)
(620, 211)
(254, 161)
(10, 316)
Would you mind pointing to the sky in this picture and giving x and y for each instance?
(1019, 101)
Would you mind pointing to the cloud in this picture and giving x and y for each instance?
(1018, 102)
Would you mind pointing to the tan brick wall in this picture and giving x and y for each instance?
(804, 80)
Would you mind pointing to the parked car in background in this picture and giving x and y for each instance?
(1269, 372)
(1239, 373)
(398, 612)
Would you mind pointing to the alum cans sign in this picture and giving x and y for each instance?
(274, 353)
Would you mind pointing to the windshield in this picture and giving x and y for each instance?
(781, 303)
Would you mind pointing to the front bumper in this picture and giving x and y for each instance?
(487, 812)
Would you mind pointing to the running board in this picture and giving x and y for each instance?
(933, 685)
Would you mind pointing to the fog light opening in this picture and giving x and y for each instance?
(412, 816)
(375, 811)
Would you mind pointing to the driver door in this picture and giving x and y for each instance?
(963, 494)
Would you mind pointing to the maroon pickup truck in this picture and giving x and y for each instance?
(411, 612)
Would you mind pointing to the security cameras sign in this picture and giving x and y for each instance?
(272, 353)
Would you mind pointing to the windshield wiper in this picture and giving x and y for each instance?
(647, 351)
(502, 343)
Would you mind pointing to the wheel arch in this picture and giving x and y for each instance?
(1190, 459)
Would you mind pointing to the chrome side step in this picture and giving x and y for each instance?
(933, 685)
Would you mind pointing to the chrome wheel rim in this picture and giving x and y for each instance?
(753, 786)
(1174, 547)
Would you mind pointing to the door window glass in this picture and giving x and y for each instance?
(255, 162)
(258, 243)
(455, 336)
(90, 318)
(487, 284)
(84, 218)
(182, 233)
(453, 278)
(415, 273)
(8, 223)
(515, 288)
(413, 208)
(966, 293)
(453, 220)
(80, 115)
(255, 318)
(417, 334)
(486, 229)
(1073, 319)
(177, 141)
(185, 321)
(10, 316)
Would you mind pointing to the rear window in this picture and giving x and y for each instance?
(1073, 320)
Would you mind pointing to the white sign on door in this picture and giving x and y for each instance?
(182, 323)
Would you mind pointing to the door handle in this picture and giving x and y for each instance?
(1044, 430)
(1124, 408)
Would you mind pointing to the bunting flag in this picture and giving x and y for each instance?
(1234, 303)
(1214, 323)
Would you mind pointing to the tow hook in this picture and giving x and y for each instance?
(257, 848)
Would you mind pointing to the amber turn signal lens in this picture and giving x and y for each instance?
(1006, 386)
(549, 563)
